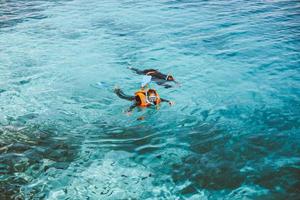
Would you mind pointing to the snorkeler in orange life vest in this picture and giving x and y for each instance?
(143, 97)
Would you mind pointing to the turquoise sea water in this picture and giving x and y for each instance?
(232, 134)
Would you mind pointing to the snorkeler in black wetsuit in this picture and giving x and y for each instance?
(158, 77)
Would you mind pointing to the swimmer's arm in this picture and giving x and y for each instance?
(121, 94)
(130, 109)
(136, 70)
(168, 101)
(163, 83)
(164, 100)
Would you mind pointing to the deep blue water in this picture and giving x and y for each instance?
(232, 134)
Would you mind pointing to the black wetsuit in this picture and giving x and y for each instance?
(136, 100)
(158, 77)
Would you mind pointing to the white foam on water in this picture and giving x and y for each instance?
(115, 177)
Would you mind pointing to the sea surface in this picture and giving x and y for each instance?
(233, 133)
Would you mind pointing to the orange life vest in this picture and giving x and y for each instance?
(142, 94)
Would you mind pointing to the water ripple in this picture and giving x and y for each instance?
(232, 133)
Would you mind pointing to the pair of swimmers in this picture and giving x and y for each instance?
(146, 97)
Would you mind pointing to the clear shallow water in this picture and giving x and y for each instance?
(233, 133)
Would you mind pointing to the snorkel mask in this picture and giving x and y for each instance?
(152, 98)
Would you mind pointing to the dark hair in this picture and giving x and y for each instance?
(151, 91)
(170, 78)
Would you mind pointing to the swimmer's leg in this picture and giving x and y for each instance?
(140, 72)
(121, 94)
(167, 86)
(148, 72)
